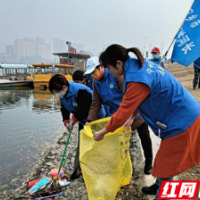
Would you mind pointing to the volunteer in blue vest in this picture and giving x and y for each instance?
(196, 73)
(75, 98)
(79, 77)
(156, 56)
(108, 91)
(166, 106)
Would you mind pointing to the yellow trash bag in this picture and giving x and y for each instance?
(106, 165)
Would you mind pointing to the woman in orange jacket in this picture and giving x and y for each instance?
(166, 106)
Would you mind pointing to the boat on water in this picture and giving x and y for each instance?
(43, 73)
(69, 62)
(15, 75)
(64, 69)
(76, 59)
(39, 74)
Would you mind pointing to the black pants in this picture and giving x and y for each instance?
(145, 138)
(77, 169)
(196, 77)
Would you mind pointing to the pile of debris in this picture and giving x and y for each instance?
(74, 189)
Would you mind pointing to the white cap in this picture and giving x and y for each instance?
(91, 65)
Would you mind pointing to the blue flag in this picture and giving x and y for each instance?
(187, 40)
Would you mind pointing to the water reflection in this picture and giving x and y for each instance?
(45, 101)
(30, 121)
(10, 98)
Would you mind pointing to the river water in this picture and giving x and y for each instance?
(30, 122)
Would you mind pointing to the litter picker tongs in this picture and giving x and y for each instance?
(64, 152)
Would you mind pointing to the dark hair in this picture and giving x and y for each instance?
(78, 75)
(117, 52)
(56, 82)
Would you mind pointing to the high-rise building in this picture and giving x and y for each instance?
(39, 40)
(29, 47)
(10, 50)
(18, 47)
(43, 50)
(25, 47)
(27, 50)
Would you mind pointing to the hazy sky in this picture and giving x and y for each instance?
(96, 23)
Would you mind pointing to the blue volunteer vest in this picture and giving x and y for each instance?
(109, 92)
(69, 100)
(157, 61)
(169, 102)
(89, 81)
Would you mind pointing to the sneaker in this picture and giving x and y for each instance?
(152, 190)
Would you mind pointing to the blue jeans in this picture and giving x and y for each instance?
(158, 183)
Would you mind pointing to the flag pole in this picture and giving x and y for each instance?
(169, 47)
(177, 32)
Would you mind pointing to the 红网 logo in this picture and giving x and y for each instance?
(178, 190)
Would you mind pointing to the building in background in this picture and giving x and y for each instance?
(34, 50)
(72, 58)
(25, 47)
(43, 50)
(39, 40)
(27, 50)
(10, 50)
